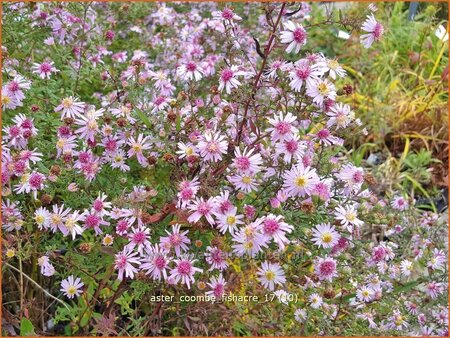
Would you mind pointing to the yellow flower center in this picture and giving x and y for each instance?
(270, 275)
(137, 147)
(301, 181)
(231, 220)
(322, 88)
(248, 245)
(67, 102)
(61, 143)
(333, 64)
(70, 223)
(6, 99)
(107, 240)
(10, 253)
(24, 179)
(92, 125)
(327, 237)
(71, 290)
(39, 219)
(350, 216)
(189, 151)
(56, 219)
(118, 158)
(246, 179)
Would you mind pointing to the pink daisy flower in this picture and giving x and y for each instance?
(325, 268)
(212, 146)
(70, 107)
(294, 35)
(216, 258)
(274, 227)
(176, 240)
(184, 271)
(228, 80)
(374, 29)
(137, 146)
(155, 263)
(246, 161)
(282, 127)
(271, 274)
(217, 286)
(125, 262)
(300, 181)
(44, 69)
(202, 208)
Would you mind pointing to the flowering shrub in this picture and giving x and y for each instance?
(182, 169)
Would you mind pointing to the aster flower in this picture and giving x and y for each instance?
(228, 80)
(202, 208)
(184, 271)
(294, 35)
(244, 182)
(216, 258)
(397, 321)
(282, 127)
(300, 315)
(348, 216)
(325, 268)
(88, 125)
(331, 66)
(126, 261)
(42, 218)
(315, 300)
(374, 31)
(274, 227)
(217, 285)
(47, 268)
(72, 287)
(137, 146)
(70, 107)
(438, 260)
(352, 176)
(226, 14)
(30, 182)
(303, 72)
(186, 192)
(117, 160)
(44, 69)
(108, 240)
(71, 226)
(406, 267)
(212, 146)
(325, 235)
(300, 181)
(320, 90)
(155, 263)
(93, 221)
(271, 274)
(228, 221)
(139, 237)
(58, 217)
(176, 240)
(190, 71)
(186, 150)
(248, 240)
(399, 203)
(246, 161)
(365, 294)
(340, 115)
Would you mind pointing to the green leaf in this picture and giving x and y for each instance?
(26, 327)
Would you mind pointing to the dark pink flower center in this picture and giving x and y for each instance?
(378, 31)
(35, 180)
(139, 237)
(45, 67)
(19, 166)
(216, 256)
(160, 100)
(14, 131)
(203, 208)
(98, 205)
(226, 75)
(299, 35)
(323, 134)
(84, 157)
(27, 124)
(227, 14)
(122, 226)
(121, 262)
(160, 262)
(218, 290)
(327, 268)
(358, 177)
(271, 226)
(190, 66)
(243, 163)
(187, 193)
(225, 206)
(13, 86)
(184, 268)
(291, 146)
(92, 221)
(283, 128)
(175, 239)
(111, 145)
